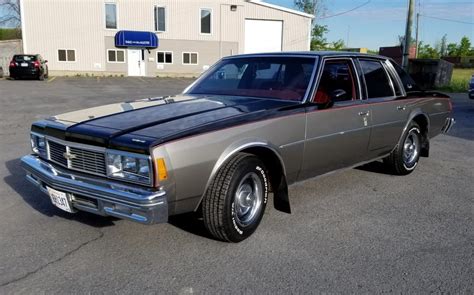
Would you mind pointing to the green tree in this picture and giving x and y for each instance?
(318, 41)
(452, 49)
(426, 51)
(464, 47)
(338, 45)
(314, 7)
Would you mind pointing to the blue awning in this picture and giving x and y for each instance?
(136, 39)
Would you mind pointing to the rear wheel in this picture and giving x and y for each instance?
(235, 201)
(404, 158)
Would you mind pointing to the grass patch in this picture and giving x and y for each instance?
(459, 81)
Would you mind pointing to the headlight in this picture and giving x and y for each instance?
(38, 144)
(129, 167)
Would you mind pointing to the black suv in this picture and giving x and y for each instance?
(28, 65)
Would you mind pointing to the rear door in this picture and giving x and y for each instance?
(389, 113)
(337, 136)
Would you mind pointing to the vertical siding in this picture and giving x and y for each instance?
(54, 24)
(67, 24)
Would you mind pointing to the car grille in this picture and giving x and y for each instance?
(80, 159)
(56, 153)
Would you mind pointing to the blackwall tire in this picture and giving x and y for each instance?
(404, 158)
(235, 201)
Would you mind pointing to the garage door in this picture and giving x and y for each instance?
(263, 35)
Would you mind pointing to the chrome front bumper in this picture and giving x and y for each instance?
(448, 124)
(97, 195)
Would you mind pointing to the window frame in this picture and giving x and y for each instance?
(211, 21)
(164, 52)
(116, 61)
(190, 64)
(116, 15)
(66, 61)
(383, 64)
(155, 28)
(355, 76)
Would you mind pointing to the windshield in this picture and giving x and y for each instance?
(285, 78)
(20, 58)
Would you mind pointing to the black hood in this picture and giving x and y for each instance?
(136, 126)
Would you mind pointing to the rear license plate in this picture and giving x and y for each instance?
(24, 64)
(60, 200)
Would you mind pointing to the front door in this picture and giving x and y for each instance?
(337, 135)
(136, 62)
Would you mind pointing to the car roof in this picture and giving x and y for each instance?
(311, 54)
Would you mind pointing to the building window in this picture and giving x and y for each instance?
(115, 55)
(110, 16)
(190, 58)
(66, 55)
(164, 57)
(160, 19)
(206, 21)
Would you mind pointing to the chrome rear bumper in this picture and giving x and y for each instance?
(99, 196)
(448, 124)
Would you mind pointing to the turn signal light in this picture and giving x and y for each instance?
(161, 169)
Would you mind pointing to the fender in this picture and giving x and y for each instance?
(280, 188)
(413, 114)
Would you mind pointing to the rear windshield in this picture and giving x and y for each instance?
(20, 58)
(285, 78)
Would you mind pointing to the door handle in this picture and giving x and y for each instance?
(364, 114)
(401, 108)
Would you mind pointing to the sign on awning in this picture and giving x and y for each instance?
(136, 39)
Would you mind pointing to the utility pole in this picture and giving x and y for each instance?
(406, 47)
(417, 31)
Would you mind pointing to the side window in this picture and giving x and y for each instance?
(66, 55)
(110, 16)
(160, 19)
(164, 57)
(206, 21)
(376, 79)
(337, 82)
(408, 83)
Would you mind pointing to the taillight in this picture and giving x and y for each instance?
(12, 64)
(450, 105)
(36, 64)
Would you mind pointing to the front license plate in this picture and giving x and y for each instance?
(24, 64)
(59, 199)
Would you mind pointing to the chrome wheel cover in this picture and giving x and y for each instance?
(411, 148)
(248, 199)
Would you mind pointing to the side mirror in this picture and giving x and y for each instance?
(337, 94)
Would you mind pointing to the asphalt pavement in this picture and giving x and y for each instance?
(357, 231)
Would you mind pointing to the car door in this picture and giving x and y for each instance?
(337, 131)
(389, 113)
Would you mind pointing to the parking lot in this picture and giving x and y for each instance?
(357, 231)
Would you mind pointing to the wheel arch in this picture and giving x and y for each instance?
(273, 162)
(423, 120)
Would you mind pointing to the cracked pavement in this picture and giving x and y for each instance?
(356, 231)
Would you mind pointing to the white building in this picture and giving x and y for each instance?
(156, 37)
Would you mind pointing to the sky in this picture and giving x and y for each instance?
(379, 23)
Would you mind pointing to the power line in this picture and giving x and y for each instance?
(344, 12)
(447, 19)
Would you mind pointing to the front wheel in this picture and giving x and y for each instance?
(405, 156)
(235, 201)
